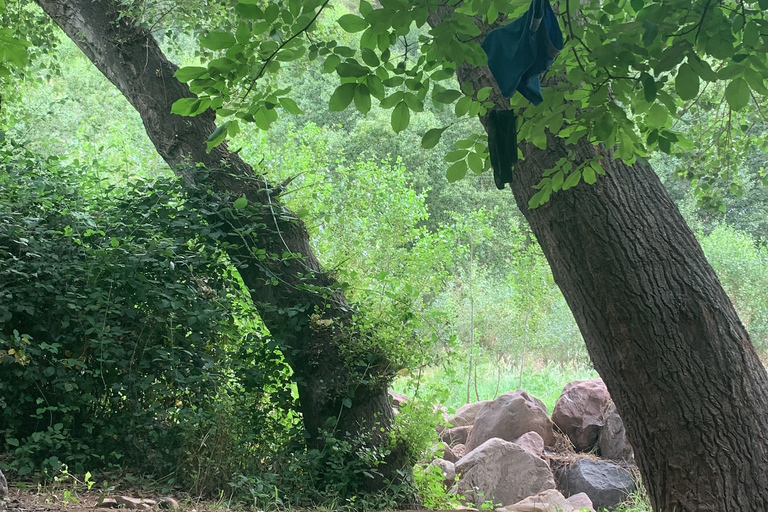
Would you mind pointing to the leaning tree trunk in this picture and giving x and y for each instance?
(660, 329)
(295, 299)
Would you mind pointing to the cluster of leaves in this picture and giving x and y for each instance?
(123, 338)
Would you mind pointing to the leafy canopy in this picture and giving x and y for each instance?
(632, 76)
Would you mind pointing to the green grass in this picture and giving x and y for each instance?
(448, 384)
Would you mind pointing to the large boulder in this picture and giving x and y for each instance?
(613, 442)
(465, 415)
(456, 435)
(501, 472)
(448, 470)
(510, 416)
(579, 412)
(548, 501)
(606, 484)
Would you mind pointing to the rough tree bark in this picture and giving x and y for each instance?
(660, 329)
(311, 325)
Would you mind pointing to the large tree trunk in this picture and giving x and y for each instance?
(311, 322)
(658, 325)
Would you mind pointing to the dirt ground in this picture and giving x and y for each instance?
(19, 500)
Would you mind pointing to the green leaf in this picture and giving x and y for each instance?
(217, 137)
(475, 163)
(375, 86)
(657, 116)
(240, 203)
(763, 4)
(432, 137)
(342, 97)
(249, 11)
(484, 93)
(291, 106)
(351, 68)
(456, 155)
(369, 57)
(737, 94)
(331, 62)
(362, 98)
(189, 73)
(572, 180)
(217, 40)
(347, 402)
(446, 96)
(589, 175)
(352, 23)
(183, 107)
(649, 87)
(462, 106)
(401, 117)
(687, 82)
(456, 171)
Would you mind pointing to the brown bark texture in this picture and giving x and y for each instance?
(298, 302)
(660, 329)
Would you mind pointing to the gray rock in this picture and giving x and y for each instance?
(510, 416)
(606, 484)
(107, 503)
(3, 486)
(501, 472)
(456, 435)
(613, 442)
(459, 450)
(578, 412)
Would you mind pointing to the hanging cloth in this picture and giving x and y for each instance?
(518, 53)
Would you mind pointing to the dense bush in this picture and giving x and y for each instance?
(125, 337)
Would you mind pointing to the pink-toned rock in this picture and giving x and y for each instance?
(107, 503)
(132, 503)
(579, 412)
(581, 502)
(547, 501)
(510, 416)
(456, 435)
(448, 453)
(465, 415)
(167, 502)
(448, 470)
(501, 472)
(532, 443)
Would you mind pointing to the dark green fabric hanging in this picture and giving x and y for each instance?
(502, 145)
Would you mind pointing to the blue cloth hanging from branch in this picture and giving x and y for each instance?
(518, 53)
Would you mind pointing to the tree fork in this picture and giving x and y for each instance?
(312, 340)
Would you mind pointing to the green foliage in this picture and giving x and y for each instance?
(122, 333)
(335, 477)
(429, 481)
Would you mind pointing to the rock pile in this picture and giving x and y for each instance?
(503, 452)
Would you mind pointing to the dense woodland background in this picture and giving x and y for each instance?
(128, 342)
